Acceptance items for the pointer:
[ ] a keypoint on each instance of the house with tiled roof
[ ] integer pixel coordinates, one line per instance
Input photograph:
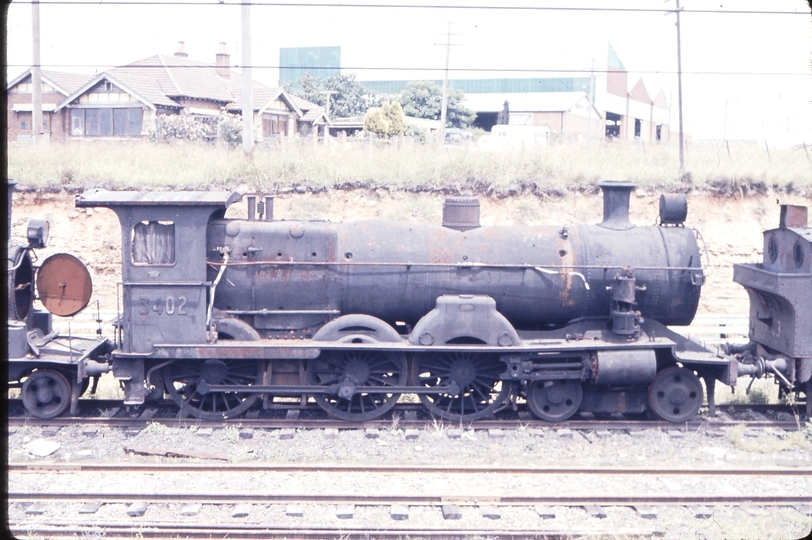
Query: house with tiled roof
(55, 87)
(124, 102)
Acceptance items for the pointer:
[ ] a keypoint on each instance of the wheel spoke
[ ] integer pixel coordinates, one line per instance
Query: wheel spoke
(476, 375)
(181, 382)
(362, 369)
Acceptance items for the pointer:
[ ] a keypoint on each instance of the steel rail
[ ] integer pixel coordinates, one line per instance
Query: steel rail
(173, 467)
(236, 531)
(280, 423)
(466, 499)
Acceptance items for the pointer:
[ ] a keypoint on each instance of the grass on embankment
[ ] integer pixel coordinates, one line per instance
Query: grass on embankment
(304, 166)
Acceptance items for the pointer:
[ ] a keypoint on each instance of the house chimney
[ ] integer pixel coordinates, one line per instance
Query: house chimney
(223, 62)
(181, 50)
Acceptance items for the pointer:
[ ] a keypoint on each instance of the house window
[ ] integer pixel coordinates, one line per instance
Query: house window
(153, 242)
(26, 121)
(108, 122)
(659, 132)
(638, 127)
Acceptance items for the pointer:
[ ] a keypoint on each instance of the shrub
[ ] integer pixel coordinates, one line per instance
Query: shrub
(176, 127)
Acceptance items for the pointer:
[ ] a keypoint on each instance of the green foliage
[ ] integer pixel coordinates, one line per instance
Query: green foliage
(385, 122)
(375, 122)
(176, 127)
(423, 99)
(755, 395)
(230, 129)
(350, 98)
(417, 133)
(169, 128)
(394, 114)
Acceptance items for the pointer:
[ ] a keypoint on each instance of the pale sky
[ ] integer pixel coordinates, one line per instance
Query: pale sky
(759, 64)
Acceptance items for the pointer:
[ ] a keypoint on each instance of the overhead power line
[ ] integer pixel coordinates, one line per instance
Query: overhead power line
(416, 6)
(584, 72)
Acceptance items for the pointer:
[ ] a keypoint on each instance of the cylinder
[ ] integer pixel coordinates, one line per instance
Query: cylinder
(625, 368)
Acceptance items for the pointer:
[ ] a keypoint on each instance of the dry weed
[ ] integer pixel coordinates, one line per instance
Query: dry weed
(302, 166)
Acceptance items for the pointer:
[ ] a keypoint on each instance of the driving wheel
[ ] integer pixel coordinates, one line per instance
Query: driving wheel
(474, 389)
(344, 371)
(182, 381)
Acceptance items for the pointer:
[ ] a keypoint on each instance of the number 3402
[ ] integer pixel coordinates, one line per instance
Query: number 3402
(169, 305)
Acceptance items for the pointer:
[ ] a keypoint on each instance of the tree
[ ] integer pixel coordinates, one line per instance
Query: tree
(350, 97)
(386, 121)
(424, 99)
(397, 121)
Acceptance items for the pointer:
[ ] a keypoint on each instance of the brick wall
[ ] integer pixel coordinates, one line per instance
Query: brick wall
(56, 122)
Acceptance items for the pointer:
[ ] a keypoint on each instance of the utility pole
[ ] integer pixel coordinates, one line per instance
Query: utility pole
(327, 110)
(247, 83)
(444, 108)
(591, 101)
(328, 93)
(36, 78)
(679, 98)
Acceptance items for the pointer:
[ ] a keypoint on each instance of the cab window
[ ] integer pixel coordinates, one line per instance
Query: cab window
(153, 242)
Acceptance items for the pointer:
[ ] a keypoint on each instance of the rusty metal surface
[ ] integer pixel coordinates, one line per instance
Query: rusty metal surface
(780, 287)
(64, 285)
(397, 271)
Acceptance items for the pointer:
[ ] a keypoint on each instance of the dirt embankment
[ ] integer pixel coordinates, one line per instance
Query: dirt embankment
(730, 226)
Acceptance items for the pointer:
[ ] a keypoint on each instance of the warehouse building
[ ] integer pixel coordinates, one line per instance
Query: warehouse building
(602, 104)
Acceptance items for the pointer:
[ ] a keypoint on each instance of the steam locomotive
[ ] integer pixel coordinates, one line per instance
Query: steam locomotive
(222, 314)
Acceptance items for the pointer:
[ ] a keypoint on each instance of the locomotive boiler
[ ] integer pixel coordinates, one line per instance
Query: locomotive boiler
(539, 277)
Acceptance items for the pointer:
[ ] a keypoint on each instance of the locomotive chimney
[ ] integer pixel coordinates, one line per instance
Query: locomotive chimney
(616, 204)
(793, 216)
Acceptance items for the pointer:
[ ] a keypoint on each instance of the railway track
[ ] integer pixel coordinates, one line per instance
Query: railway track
(112, 413)
(237, 532)
(162, 514)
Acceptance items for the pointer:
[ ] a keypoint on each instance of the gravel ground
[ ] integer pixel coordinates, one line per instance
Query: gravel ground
(706, 447)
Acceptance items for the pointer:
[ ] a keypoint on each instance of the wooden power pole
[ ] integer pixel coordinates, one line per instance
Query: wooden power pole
(36, 77)
(247, 84)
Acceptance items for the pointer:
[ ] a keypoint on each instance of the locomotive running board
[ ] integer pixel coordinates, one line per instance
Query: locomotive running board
(292, 390)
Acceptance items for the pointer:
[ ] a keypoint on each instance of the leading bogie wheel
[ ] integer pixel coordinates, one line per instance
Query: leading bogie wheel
(46, 393)
(554, 401)
(475, 389)
(344, 371)
(675, 394)
(182, 379)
